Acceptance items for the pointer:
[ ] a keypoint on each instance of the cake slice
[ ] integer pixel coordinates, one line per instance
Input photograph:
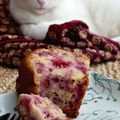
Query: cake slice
(58, 74)
(34, 107)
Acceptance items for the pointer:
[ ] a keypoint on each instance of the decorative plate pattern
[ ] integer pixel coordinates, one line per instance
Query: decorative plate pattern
(101, 102)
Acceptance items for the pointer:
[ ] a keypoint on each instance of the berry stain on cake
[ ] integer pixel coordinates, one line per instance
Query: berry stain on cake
(58, 74)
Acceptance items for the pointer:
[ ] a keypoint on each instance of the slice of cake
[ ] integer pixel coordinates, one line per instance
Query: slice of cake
(58, 74)
(34, 107)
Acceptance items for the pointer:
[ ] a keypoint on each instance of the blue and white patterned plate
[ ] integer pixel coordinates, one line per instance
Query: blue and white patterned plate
(101, 102)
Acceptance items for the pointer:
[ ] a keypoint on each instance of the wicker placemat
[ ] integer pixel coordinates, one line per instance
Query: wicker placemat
(110, 69)
(8, 76)
(7, 79)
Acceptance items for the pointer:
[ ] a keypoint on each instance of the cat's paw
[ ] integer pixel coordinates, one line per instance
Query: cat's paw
(40, 31)
(27, 29)
(35, 31)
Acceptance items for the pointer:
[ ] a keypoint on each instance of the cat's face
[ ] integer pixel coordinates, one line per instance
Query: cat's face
(41, 4)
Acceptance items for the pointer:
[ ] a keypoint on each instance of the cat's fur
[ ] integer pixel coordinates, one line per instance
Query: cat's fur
(35, 16)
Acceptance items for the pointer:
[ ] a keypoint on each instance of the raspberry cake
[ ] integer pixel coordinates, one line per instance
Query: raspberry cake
(58, 74)
(34, 107)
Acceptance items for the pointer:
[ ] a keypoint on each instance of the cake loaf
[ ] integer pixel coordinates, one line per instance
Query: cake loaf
(34, 107)
(58, 74)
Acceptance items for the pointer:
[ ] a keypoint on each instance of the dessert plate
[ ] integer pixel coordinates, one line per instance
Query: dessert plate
(101, 102)
(102, 99)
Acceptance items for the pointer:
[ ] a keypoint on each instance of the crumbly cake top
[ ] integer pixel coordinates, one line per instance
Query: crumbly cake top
(60, 63)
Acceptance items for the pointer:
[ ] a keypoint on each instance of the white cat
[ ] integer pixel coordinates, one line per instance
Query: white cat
(35, 16)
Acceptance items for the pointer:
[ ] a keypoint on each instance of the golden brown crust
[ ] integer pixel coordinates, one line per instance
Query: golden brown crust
(28, 80)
